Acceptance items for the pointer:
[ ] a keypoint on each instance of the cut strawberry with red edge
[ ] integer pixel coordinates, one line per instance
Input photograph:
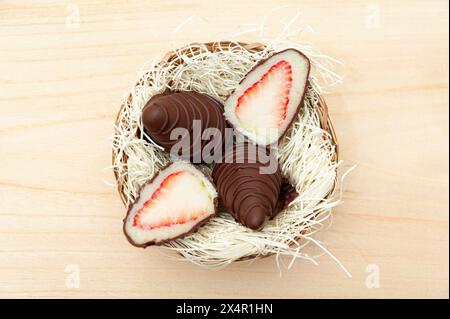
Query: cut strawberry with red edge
(174, 203)
(268, 99)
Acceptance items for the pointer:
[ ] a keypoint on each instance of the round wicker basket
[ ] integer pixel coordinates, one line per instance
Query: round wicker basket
(174, 57)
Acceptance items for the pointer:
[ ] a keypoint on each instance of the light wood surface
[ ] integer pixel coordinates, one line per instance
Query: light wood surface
(61, 83)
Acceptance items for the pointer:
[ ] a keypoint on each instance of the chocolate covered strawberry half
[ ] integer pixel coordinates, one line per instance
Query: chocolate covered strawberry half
(174, 203)
(267, 100)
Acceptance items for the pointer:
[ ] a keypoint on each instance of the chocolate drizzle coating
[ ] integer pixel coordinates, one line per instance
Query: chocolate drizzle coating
(287, 195)
(248, 194)
(170, 110)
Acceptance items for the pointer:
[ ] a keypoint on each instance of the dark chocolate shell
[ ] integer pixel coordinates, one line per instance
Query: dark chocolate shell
(247, 186)
(195, 112)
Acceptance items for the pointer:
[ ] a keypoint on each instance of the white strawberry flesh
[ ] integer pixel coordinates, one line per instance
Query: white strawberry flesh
(178, 200)
(268, 98)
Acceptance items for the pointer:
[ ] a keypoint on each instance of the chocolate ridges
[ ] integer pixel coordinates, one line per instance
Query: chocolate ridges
(245, 190)
(165, 112)
(287, 195)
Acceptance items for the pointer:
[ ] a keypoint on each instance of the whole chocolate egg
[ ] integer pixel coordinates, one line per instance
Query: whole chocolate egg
(186, 115)
(248, 188)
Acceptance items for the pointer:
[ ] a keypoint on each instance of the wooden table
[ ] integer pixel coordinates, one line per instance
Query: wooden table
(64, 68)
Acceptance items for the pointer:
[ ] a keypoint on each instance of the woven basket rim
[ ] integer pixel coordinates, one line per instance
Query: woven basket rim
(325, 121)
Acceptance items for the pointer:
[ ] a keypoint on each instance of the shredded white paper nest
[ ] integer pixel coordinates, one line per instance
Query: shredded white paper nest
(305, 156)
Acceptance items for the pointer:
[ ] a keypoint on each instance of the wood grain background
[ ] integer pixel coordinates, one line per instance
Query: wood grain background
(61, 83)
